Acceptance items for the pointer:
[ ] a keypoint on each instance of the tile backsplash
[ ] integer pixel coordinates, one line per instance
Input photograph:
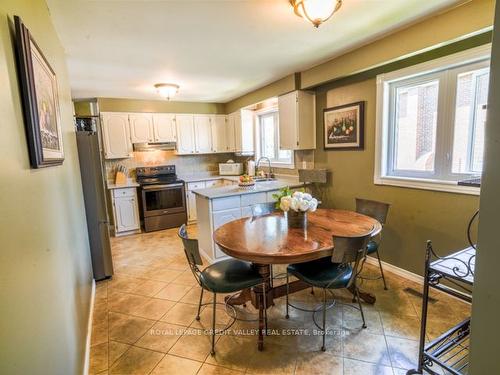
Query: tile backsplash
(185, 164)
(193, 164)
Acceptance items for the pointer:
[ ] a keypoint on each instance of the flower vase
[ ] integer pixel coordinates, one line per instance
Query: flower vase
(297, 219)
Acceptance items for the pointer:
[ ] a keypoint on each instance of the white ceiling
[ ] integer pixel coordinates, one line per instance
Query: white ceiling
(215, 50)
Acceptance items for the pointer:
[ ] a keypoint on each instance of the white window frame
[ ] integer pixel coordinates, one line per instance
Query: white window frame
(444, 68)
(258, 154)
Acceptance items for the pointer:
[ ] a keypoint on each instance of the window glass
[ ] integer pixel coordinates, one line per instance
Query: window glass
(269, 139)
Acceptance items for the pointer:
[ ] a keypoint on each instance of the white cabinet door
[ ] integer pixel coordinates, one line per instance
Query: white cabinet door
(287, 107)
(116, 136)
(230, 133)
(297, 121)
(126, 214)
(203, 134)
(141, 127)
(191, 206)
(243, 131)
(185, 134)
(219, 143)
(164, 127)
(221, 218)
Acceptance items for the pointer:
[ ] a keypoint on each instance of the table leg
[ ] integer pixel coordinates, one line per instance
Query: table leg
(243, 297)
(265, 271)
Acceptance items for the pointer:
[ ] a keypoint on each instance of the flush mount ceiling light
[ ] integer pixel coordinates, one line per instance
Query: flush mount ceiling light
(315, 11)
(167, 90)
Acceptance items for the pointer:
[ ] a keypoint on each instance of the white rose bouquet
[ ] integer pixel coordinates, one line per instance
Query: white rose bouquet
(297, 201)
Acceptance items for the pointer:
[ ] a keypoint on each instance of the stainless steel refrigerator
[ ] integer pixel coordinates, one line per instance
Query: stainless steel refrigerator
(94, 192)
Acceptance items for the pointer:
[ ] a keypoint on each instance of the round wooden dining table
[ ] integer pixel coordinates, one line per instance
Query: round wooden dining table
(267, 240)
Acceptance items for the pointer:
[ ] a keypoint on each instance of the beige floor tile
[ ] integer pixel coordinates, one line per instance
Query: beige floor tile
(207, 369)
(319, 363)
(233, 352)
(352, 321)
(127, 329)
(98, 358)
(182, 314)
(401, 326)
(353, 367)
(186, 278)
(162, 274)
(123, 283)
(136, 361)
(274, 359)
(99, 333)
(367, 347)
(153, 309)
(194, 344)
(173, 292)
(161, 337)
(403, 352)
(193, 296)
(149, 288)
(176, 365)
(125, 303)
(115, 351)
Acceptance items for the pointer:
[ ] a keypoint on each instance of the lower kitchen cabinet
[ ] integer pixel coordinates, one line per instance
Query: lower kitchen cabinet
(126, 211)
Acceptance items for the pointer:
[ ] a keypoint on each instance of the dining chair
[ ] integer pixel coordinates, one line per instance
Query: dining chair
(339, 271)
(378, 211)
(225, 276)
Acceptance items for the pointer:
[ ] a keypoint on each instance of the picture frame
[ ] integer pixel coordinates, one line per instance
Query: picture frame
(343, 127)
(39, 91)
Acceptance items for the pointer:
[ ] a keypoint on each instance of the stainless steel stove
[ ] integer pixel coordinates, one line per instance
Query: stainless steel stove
(163, 197)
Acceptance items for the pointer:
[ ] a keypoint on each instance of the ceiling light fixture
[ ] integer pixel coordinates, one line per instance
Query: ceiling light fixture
(315, 11)
(167, 90)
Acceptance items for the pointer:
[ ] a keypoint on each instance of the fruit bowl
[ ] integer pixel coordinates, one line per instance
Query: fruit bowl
(246, 182)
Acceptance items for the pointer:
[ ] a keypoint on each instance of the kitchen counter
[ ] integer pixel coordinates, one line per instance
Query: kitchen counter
(205, 177)
(263, 186)
(128, 184)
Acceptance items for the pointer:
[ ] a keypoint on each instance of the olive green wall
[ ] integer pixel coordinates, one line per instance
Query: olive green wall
(137, 105)
(415, 215)
(486, 306)
(45, 269)
(282, 86)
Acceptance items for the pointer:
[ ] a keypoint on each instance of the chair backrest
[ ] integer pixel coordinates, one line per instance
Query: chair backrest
(262, 209)
(192, 251)
(374, 209)
(350, 251)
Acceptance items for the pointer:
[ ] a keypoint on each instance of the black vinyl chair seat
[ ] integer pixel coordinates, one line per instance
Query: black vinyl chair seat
(230, 275)
(322, 273)
(371, 247)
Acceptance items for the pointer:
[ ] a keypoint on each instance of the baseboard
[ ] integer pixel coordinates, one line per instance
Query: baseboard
(86, 366)
(396, 270)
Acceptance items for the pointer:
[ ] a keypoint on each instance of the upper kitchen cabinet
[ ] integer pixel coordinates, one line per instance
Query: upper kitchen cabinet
(219, 136)
(141, 127)
(297, 121)
(185, 134)
(203, 134)
(243, 121)
(230, 134)
(164, 127)
(116, 135)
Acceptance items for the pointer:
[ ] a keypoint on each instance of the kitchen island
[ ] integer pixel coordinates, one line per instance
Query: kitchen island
(219, 205)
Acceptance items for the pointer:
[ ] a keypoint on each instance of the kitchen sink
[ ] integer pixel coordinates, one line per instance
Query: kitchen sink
(264, 179)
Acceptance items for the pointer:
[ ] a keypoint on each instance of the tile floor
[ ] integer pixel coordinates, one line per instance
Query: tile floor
(144, 323)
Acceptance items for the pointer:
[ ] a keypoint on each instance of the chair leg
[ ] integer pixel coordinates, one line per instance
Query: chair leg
(323, 348)
(381, 270)
(287, 291)
(264, 296)
(199, 305)
(212, 352)
(271, 276)
(360, 306)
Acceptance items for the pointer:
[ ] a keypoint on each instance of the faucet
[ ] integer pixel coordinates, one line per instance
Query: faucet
(270, 174)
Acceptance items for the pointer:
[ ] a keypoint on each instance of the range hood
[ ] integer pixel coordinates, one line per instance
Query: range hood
(154, 146)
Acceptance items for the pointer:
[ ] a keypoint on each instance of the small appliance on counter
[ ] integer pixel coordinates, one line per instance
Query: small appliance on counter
(230, 168)
(251, 167)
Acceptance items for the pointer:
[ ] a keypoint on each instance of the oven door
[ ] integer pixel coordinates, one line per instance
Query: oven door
(163, 199)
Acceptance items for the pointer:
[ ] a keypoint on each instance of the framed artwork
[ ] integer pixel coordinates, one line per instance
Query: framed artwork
(344, 127)
(40, 101)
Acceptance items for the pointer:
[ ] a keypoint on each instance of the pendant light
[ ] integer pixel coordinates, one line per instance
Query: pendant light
(316, 11)
(167, 90)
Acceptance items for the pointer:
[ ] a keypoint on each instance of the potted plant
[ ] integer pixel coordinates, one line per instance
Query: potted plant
(296, 205)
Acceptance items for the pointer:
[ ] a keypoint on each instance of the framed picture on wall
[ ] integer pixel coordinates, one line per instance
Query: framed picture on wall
(40, 101)
(344, 127)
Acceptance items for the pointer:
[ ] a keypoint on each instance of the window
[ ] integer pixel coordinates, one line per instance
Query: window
(430, 122)
(268, 131)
